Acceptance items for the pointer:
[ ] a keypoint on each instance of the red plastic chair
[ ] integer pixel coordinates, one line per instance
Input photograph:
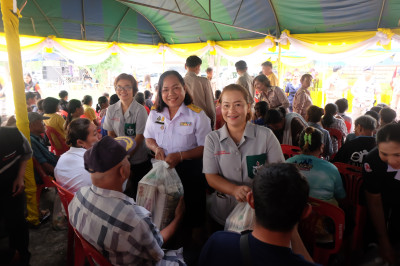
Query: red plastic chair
(64, 114)
(56, 140)
(47, 180)
(90, 252)
(352, 181)
(335, 133)
(348, 126)
(66, 197)
(290, 151)
(307, 228)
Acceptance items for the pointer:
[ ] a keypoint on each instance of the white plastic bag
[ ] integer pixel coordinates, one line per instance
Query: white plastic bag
(159, 192)
(242, 218)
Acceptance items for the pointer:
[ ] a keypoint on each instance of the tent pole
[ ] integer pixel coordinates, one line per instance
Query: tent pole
(380, 15)
(11, 25)
(83, 21)
(47, 18)
(278, 28)
(279, 66)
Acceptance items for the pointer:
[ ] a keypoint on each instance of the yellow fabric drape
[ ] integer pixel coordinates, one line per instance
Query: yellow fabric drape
(27, 42)
(186, 49)
(11, 24)
(87, 48)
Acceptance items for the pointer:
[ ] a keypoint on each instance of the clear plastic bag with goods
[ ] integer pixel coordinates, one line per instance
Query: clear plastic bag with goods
(242, 218)
(159, 192)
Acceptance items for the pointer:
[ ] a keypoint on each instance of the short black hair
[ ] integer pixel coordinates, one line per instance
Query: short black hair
(87, 99)
(342, 105)
(114, 99)
(139, 97)
(314, 113)
(147, 94)
(262, 106)
(63, 94)
(209, 69)
(388, 115)
(388, 133)
(374, 115)
(241, 65)
(193, 61)
(77, 129)
(316, 140)
(50, 105)
(376, 109)
(217, 94)
(274, 116)
(366, 122)
(128, 77)
(329, 114)
(30, 95)
(267, 63)
(280, 196)
(40, 105)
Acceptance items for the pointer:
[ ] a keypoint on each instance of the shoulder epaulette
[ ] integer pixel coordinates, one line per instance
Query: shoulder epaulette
(194, 108)
(153, 107)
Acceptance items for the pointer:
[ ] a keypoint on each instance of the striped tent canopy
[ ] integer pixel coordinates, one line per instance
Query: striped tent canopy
(193, 21)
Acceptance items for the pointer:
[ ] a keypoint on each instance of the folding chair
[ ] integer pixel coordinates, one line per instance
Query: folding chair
(56, 140)
(352, 181)
(307, 229)
(91, 253)
(47, 180)
(290, 151)
(66, 197)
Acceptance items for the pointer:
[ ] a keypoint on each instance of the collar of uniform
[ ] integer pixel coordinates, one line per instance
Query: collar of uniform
(182, 110)
(312, 124)
(192, 74)
(76, 150)
(249, 131)
(107, 193)
(118, 105)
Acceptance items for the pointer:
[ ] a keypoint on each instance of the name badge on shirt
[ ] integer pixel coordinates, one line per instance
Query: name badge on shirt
(160, 120)
(186, 124)
(255, 162)
(130, 129)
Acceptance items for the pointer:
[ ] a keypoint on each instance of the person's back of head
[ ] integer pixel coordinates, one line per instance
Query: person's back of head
(193, 62)
(62, 94)
(147, 94)
(40, 105)
(139, 97)
(374, 115)
(217, 94)
(114, 99)
(50, 105)
(280, 195)
(311, 140)
(241, 66)
(274, 116)
(314, 114)
(376, 109)
(329, 114)
(388, 115)
(342, 105)
(87, 99)
(365, 125)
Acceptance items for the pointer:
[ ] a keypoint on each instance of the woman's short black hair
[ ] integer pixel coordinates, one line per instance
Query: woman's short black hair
(87, 99)
(160, 104)
(50, 105)
(63, 94)
(114, 99)
(77, 129)
(314, 113)
(388, 133)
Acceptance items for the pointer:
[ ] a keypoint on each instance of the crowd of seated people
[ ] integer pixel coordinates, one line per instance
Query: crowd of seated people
(223, 157)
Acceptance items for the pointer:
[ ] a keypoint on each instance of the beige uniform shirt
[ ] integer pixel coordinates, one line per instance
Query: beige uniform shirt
(237, 163)
(301, 101)
(273, 79)
(200, 89)
(246, 81)
(275, 97)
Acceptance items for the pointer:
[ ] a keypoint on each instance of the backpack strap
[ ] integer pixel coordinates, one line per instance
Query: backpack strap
(245, 250)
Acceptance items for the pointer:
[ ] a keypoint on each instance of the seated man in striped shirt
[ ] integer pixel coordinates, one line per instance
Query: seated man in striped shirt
(111, 221)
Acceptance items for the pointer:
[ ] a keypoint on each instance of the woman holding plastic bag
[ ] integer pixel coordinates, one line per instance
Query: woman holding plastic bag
(233, 154)
(175, 131)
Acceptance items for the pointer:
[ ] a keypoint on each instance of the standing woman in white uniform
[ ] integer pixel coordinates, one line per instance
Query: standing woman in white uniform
(128, 118)
(233, 154)
(175, 132)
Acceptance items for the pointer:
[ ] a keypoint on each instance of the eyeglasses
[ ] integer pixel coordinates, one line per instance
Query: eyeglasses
(126, 88)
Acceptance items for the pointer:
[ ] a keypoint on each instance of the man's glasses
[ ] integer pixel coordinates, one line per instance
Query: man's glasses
(120, 89)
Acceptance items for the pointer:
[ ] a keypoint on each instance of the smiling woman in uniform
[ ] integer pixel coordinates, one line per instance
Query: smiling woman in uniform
(233, 154)
(175, 132)
(128, 118)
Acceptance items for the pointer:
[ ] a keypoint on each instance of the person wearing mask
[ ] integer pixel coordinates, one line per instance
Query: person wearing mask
(74, 110)
(245, 80)
(302, 99)
(292, 87)
(354, 151)
(322, 176)
(313, 118)
(234, 153)
(81, 136)
(330, 121)
(273, 95)
(286, 126)
(128, 118)
(274, 240)
(382, 185)
(88, 110)
(199, 87)
(63, 100)
(267, 71)
(175, 132)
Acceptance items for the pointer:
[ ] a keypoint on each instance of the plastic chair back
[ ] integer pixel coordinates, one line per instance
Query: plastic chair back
(348, 126)
(56, 140)
(91, 253)
(352, 181)
(290, 151)
(307, 228)
(65, 196)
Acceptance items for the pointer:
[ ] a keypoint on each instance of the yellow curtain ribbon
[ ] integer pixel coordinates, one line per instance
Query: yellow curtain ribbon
(11, 24)
(389, 35)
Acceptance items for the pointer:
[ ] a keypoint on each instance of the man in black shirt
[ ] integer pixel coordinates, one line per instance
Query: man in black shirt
(354, 151)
